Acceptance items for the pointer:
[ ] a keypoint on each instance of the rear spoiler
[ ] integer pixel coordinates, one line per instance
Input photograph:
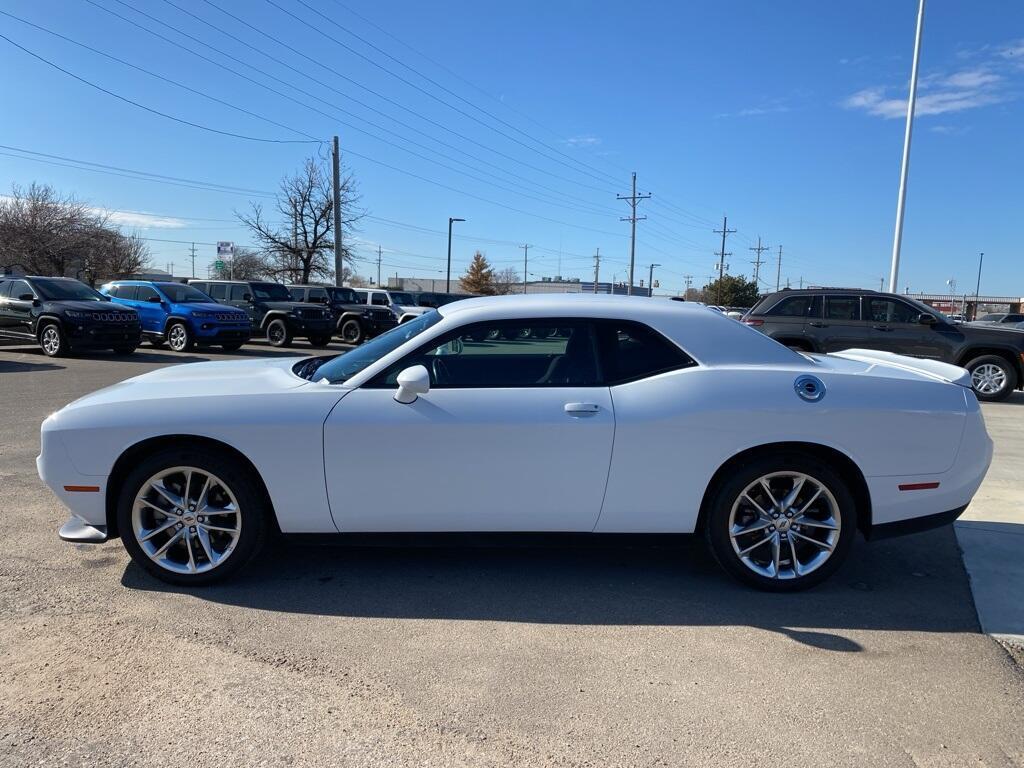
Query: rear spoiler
(934, 369)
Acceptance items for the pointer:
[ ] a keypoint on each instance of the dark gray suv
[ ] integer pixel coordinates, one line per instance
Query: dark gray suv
(833, 319)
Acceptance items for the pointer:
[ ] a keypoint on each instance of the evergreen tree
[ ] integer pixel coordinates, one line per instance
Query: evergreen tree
(479, 277)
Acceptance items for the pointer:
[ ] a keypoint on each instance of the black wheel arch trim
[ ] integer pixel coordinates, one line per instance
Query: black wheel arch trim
(1013, 356)
(913, 525)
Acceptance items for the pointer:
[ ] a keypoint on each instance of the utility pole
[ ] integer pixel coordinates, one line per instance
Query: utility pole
(721, 257)
(688, 279)
(338, 272)
(977, 287)
(192, 251)
(897, 239)
(526, 253)
(650, 278)
(801, 282)
(379, 253)
(881, 284)
(758, 249)
(597, 267)
(632, 199)
(778, 270)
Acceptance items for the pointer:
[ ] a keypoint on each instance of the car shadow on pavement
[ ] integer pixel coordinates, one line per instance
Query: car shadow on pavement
(14, 366)
(916, 584)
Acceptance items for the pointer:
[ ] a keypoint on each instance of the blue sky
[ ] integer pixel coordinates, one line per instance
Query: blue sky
(786, 116)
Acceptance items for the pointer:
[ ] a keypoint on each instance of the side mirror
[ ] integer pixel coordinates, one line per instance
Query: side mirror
(36, 303)
(26, 297)
(925, 319)
(154, 300)
(412, 382)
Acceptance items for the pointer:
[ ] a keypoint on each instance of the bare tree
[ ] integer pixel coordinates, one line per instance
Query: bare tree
(46, 233)
(297, 239)
(506, 281)
(247, 264)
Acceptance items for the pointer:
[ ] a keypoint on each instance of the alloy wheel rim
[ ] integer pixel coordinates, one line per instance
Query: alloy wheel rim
(784, 525)
(988, 378)
(177, 338)
(275, 333)
(51, 340)
(350, 332)
(186, 520)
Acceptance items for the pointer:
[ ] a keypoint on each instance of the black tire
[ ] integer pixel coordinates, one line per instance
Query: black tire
(319, 341)
(984, 377)
(232, 347)
(254, 512)
(128, 349)
(53, 341)
(179, 337)
(278, 333)
(351, 331)
(838, 501)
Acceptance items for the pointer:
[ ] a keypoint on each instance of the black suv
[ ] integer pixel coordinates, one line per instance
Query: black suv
(271, 310)
(354, 320)
(62, 314)
(833, 319)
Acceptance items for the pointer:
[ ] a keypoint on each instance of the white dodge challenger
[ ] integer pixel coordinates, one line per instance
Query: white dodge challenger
(540, 413)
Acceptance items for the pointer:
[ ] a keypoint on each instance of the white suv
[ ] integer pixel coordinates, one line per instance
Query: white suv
(402, 303)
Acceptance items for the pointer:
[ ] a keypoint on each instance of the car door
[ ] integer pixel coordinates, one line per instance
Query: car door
(841, 324)
(151, 307)
(235, 296)
(17, 313)
(894, 326)
(515, 434)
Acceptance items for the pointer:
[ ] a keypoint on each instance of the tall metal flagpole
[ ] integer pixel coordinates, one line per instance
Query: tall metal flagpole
(905, 167)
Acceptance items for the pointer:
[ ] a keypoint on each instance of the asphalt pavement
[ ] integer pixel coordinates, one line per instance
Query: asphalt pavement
(450, 657)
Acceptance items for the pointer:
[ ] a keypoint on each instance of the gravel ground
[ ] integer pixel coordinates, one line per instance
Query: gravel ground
(532, 657)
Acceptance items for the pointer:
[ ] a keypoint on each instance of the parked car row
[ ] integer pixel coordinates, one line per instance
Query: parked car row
(835, 319)
(62, 314)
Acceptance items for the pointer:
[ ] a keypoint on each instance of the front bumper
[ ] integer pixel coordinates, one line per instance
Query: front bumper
(301, 326)
(214, 334)
(102, 335)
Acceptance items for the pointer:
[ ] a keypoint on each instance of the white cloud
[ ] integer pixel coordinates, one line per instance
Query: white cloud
(583, 141)
(141, 220)
(938, 93)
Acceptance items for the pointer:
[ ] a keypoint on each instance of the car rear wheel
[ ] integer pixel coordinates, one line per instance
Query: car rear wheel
(782, 523)
(278, 334)
(992, 377)
(53, 341)
(351, 331)
(179, 338)
(191, 517)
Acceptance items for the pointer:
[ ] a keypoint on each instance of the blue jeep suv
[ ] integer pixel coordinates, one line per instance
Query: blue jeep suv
(180, 316)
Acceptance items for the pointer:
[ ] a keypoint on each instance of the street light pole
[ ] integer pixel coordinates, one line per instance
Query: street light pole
(905, 166)
(977, 287)
(448, 280)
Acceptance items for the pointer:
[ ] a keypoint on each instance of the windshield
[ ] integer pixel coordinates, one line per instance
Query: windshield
(178, 293)
(271, 292)
(344, 295)
(344, 367)
(402, 298)
(67, 290)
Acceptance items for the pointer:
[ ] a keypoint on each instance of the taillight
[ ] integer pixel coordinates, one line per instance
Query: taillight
(753, 321)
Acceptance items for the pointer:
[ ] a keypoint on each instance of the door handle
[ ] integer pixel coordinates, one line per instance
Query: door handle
(818, 325)
(578, 408)
(881, 327)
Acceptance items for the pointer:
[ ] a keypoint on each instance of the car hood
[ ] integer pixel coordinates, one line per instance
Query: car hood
(221, 378)
(91, 306)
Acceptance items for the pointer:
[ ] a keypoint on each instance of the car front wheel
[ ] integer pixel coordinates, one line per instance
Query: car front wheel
(782, 523)
(53, 341)
(191, 517)
(278, 334)
(992, 377)
(351, 331)
(178, 338)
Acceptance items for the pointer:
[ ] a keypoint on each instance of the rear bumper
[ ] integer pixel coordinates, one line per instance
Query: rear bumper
(913, 525)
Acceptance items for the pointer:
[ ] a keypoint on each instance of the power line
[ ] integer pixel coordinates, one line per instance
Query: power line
(143, 107)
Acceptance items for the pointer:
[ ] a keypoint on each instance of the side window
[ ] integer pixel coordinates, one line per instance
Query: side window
(218, 291)
(536, 353)
(202, 287)
(238, 292)
(379, 299)
(5, 289)
(18, 289)
(891, 311)
(318, 295)
(1014, 319)
(794, 306)
(631, 351)
(842, 308)
(145, 293)
(297, 294)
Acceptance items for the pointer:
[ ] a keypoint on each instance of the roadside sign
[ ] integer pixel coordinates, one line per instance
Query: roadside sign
(225, 248)
(218, 265)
